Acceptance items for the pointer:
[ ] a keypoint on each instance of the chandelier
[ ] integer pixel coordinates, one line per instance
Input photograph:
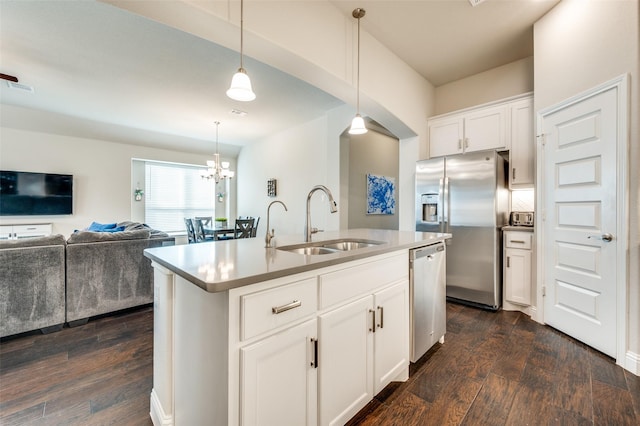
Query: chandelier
(217, 169)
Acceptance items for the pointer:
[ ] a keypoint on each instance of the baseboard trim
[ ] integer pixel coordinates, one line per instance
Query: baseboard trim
(158, 416)
(632, 363)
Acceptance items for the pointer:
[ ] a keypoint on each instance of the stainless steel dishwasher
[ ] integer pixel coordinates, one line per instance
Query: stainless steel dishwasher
(428, 294)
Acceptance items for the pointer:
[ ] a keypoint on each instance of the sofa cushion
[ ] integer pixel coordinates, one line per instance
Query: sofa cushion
(130, 226)
(49, 240)
(106, 227)
(90, 237)
(32, 284)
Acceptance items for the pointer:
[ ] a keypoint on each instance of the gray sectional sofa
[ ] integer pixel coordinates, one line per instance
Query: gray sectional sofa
(47, 281)
(32, 284)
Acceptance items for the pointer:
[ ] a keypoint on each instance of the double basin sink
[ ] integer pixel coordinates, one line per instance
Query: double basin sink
(331, 246)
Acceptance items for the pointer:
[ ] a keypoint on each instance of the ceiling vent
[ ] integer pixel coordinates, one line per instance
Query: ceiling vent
(474, 3)
(20, 86)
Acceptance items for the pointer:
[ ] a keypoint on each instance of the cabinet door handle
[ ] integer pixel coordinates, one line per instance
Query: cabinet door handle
(373, 320)
(314, 362)
(459, 143)
(508, 258)
(466, 143)
(514, 173)
(381, 325)
(280, 309)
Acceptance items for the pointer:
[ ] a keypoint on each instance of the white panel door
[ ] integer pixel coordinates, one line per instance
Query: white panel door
(580, 205)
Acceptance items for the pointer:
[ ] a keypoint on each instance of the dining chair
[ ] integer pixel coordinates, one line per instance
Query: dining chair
(244, 228)
(207, 221)
(254, 230)
(199, 231)
(191, 233)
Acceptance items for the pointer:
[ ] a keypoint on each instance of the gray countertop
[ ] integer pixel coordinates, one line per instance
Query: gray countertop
(222, 265)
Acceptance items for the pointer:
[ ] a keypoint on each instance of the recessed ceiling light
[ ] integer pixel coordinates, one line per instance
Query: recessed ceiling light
(238, 112)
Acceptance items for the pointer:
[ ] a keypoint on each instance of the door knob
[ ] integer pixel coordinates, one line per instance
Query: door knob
(604, 237)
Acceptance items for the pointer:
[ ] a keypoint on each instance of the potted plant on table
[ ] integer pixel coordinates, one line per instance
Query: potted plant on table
(221, 222)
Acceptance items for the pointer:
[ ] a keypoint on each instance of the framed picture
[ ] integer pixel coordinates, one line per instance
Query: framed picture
(381, 194)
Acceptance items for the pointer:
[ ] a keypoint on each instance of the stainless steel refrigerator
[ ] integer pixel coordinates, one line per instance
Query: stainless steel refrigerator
(466, 195)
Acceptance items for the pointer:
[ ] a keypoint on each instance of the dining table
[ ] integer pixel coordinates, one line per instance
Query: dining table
(219, 232)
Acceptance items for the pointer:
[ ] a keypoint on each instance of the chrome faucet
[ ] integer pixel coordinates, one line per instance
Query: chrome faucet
(308, 230)
(269, 236)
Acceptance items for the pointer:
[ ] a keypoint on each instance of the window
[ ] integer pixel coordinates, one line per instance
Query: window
(176, 191)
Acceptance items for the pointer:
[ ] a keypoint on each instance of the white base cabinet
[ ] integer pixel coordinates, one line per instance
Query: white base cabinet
(306, 349)
(279, 378)
(16, 232)
(517, 268)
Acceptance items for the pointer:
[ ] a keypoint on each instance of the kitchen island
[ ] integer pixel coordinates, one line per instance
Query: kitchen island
(250, 335)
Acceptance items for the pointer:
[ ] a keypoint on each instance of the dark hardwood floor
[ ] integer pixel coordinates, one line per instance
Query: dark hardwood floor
(493, 369)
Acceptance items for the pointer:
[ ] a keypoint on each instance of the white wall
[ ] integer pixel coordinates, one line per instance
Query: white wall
(103, 190)
(579, 45)
(297, 159)
(498, 83)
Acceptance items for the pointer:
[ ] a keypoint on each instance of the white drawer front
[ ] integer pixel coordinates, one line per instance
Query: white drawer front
(358, 280)
(269, 309)
(40, 229)
(520, 240)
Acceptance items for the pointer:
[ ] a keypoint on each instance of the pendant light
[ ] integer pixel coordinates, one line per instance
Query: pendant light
(217, 170)
(357, 124)
(240, 89)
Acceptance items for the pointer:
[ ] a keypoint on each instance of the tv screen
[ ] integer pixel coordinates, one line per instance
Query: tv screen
(29, 194)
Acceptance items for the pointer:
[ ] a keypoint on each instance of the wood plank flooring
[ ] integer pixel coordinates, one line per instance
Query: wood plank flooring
(493, 369)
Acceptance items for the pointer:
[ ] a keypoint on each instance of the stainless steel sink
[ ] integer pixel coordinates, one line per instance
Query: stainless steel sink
(351, 245)
(331, 246)
(309, 250)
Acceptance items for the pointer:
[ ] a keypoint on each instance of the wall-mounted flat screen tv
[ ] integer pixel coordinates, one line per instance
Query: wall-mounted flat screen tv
(30, 194)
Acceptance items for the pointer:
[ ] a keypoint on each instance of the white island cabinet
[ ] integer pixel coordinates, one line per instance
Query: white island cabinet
(310, 343)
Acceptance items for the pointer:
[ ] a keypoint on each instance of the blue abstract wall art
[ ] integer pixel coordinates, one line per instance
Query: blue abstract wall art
(381, 194)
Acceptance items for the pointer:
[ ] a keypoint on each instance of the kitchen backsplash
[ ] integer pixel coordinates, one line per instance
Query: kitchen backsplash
(522, 200)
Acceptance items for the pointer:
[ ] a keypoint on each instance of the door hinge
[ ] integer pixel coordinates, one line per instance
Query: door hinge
(542, 138)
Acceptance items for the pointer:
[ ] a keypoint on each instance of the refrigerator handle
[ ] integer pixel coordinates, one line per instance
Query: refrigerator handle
(446, 204)
(441, 205)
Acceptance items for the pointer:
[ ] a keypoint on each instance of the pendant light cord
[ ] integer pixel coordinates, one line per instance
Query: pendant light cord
(358, 72)
(241, 32)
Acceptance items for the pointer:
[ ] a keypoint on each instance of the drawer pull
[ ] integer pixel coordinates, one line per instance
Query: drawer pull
(280, 309)
(517, 241)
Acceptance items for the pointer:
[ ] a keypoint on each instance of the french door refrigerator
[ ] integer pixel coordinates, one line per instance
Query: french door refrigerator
(466, 195)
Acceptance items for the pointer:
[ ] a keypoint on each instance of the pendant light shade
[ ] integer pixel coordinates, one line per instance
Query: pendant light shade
(357, 124)
(240, 89)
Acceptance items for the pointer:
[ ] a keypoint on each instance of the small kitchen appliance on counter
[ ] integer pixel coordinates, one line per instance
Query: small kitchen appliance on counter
(521, 219)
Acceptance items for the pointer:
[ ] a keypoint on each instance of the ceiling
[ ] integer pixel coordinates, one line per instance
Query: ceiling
(150, 84)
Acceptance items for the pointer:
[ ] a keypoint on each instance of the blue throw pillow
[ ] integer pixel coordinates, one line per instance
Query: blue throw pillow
(107, 227)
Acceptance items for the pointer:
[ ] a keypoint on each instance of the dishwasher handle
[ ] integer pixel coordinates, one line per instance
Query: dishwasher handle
(427, 251)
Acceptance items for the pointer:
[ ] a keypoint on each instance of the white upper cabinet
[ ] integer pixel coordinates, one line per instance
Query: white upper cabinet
(522, 152)
(445, 136)
(501, 126)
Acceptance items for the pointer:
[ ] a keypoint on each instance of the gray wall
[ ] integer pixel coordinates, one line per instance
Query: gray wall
(371, 153)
